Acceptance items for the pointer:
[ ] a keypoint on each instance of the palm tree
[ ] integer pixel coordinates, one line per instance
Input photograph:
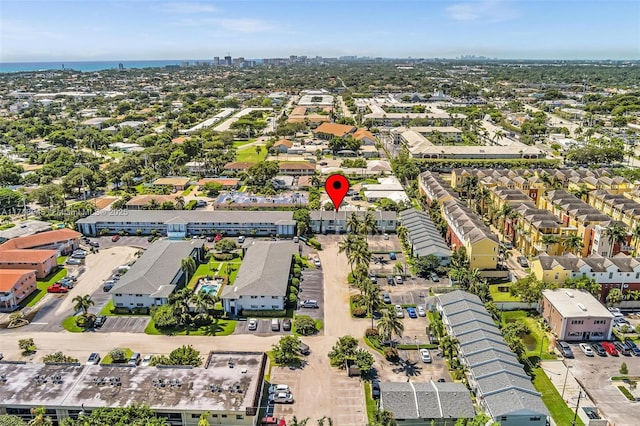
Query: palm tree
(353, 223)
(347, 246)
(179, 202)
(548, 240)
(617, 234)
(82, 303)
(573, 243)
(40, 418)
(371, 299)
(503, 213)
(635, 239)
(403, 233)
(482, 195)
(188, 266)
(369, 224)
(580, 192)
(361, 254)
(203, 301)
(389, 325)
(614, 296)
(498, 135)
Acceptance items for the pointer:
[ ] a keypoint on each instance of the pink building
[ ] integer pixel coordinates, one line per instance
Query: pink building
(15, 286)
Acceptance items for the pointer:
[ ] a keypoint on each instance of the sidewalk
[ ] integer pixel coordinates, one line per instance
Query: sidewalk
(562, 379)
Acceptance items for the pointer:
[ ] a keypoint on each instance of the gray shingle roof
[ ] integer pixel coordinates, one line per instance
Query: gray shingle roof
(423, 235)
(426, 400)
(264, 270)
(189, 216)
(153, 272)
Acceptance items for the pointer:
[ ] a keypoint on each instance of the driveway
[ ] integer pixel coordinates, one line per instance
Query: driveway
(311, 288)
(129, 324)
(133, 241)
(264, 328)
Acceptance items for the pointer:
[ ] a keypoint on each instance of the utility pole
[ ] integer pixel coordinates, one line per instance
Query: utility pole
(575, 415)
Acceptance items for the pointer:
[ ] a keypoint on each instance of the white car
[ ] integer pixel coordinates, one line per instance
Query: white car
(281, 398)
(421, 311)
(316, 262)
(94, 359)
(274, 388)
(146, 360)
(252, 325)
(425, 355)
(399, 312)
(398, 279)
(586, 349)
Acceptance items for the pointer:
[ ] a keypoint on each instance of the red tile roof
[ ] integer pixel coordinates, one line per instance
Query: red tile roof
(30, 256)
(284, 142)
(238, 165)
(9, 277)
(338, 130)
(41, 239)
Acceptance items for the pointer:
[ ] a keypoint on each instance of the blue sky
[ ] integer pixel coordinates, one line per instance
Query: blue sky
(53, 30)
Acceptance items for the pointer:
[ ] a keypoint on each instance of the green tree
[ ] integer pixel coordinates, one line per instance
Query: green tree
(344, 349)
(164, 317)
(202, 421)
(371, 299)
(10, 201)
(188, 266)
(9, 172)
(261, 173)
(303, 219)
(212, 189)
(624, 370)
(287, 350)
(616, 234)
(11, 420)
(225, 245)
(369, 224)
(58, 357)
(573, 243)
(354, 225)
(135, 415)
(426, 264)
(305, 325)
(27, 346)
(389, 325)
(614, 296)
(383, 418)
(40, 418)
(118, 355)
(82, 303)
(184, 355)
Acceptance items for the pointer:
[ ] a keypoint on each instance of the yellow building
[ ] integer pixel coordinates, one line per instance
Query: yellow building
(553, 269)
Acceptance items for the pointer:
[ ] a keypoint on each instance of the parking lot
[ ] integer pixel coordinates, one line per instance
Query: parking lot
(594, 375)
(124, 324)
(311, 288)
(131, 241)
(264, 328)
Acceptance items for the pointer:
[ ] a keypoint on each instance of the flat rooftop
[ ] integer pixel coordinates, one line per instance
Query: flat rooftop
(96, 385)
(576, 303)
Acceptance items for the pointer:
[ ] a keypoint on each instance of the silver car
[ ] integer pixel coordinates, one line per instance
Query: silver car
(281, 398)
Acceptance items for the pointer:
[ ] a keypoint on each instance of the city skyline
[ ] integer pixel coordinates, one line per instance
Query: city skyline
(71, 30)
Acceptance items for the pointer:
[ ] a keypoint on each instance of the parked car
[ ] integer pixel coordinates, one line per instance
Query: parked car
(313, 304)
(57, 288)
(399, 279)
(66, 283)
(241, 239)
(386, 236)
(134, 359)
(597, 347)
(399, 312)
(281, 398)
(373, 278)
(507, 245)
(632, 346)
(386, 297)
(412, 312)
(610, 348)
(275, 324)
(72, 278)
(304, 348)
(99, 322)
(564, 349)
(286, 324)
(72, 261)
(108, 285)
(94, 244)
(622, 348)
(425, 355)
(275, 388)
(252, 325)
(93, 359)
(115, 238)
(390, 280)
(375, 389)
(434, 277)
(620, 321)
(146, 360)
(586, 349)
(392, 256)
(316, 262)
(151, 238)
(421, 311)
(523, 261)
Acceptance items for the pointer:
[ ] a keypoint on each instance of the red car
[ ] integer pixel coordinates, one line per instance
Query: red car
(610, 348)
(57, 288)
(115, 238)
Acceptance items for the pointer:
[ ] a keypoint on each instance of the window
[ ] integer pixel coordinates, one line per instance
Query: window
(224, 416)
(138, 295)
(118, 294)
(574, 322)
(239, 417)
(274, 306)
(139, 304)
(599, 322)
(274, 297)
(534, 418)
(556, 276)
(254, 297)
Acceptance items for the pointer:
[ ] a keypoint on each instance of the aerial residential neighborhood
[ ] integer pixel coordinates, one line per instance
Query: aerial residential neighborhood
(418, 238)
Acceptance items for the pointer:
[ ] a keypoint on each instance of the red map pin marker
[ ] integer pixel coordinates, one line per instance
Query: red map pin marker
(337, 187)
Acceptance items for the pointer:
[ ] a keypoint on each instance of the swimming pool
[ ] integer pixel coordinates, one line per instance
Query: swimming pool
(211, 289)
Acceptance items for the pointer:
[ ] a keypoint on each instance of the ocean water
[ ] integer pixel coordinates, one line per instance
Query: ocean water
(7, 67)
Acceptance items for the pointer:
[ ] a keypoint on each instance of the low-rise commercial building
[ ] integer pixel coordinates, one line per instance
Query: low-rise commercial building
(262, 280)
(183, 223)
(575, 315)
(228, 388)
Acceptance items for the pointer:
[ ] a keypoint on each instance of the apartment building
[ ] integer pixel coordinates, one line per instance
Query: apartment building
(466, 229)
(619, 271)
(496, 377)
(435, 189)
(575, 315)
(335, 222)
(15, 286)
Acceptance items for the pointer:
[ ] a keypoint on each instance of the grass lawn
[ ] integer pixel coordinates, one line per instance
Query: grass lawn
(61, 260)
(188, 190)
(107, 358)
(219, 327)
(501, 296)
(202, 271)
(249, 154)
(106, 309)
(372, 405)
(69, 324)
(533, 341)
(559, 410)
(238, 144)
(42, 285)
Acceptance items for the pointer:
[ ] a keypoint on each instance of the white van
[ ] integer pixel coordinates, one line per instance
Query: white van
(241, 239)
(275, 324)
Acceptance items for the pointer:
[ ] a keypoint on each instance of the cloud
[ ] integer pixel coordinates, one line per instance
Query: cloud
(188, 8)
(486, 10)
